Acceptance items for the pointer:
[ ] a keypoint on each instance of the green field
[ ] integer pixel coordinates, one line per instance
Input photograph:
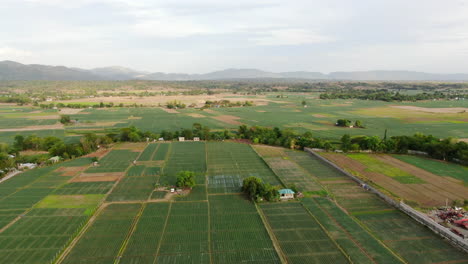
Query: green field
(375, 165)
(115, 161)
(319, 118)
(120, 221)
(440, 168)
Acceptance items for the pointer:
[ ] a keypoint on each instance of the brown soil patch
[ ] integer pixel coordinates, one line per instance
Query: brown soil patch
(94, 179)
(463, 140)
(432, 193)
(228, 119)
(33, 128)
(99, 153)
(70, 171)
(453, 110)
(196, 115)
(137, 147)
(70, 111)
(170, 111)
(134, 117)
(261, 111)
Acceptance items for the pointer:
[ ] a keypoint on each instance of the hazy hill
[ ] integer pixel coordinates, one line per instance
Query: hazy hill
(10, 70)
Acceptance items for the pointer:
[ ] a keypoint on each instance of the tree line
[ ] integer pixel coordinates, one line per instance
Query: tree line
(448, 149)
(387, 96)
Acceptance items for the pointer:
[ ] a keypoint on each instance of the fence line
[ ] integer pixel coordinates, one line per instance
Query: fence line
(423, 219)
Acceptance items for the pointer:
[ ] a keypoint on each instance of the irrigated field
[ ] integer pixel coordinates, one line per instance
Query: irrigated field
(127, 219)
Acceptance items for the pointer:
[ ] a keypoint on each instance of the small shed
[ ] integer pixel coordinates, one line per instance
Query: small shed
(196, 139)
(181, 138)
(286, 194)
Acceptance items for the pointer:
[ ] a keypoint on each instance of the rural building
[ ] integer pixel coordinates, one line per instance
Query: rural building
(181, 139)
(196, 139)
(286, 194)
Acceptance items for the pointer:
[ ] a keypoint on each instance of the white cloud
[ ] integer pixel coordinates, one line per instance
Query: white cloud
(13, 53)
(290, 37)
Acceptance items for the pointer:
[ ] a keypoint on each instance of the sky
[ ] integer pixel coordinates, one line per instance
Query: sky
(199, 36)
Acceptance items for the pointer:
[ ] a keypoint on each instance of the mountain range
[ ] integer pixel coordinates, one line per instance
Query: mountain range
(10, 70)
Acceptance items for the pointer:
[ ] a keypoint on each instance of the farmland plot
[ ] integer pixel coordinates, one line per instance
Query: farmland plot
(301, 238)
(114, 161)
(161, 152)
(143, 245)
(357, 243)
(148, 152)
(315, 166)
(237, 232)
(398, 179)
(229, 163)
(133, 189)
(102, 241)
(185, 156)
(412, 241)
(198, 193)
(185, 238)
(40, 235)
(287, 170)
(74, 188)
(437, 167)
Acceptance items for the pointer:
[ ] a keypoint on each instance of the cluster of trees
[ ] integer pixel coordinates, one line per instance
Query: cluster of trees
(348, 123)
(227, 103)
(185, 179)
(256, 190)
(20, 100)
(197, 130)
(175, 104)
(447, 149)
(385, 95)
(78, 105)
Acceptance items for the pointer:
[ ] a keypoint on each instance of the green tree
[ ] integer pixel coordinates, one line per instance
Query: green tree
(253, 187)
(345, 142)
(65, 119)
(185, 179)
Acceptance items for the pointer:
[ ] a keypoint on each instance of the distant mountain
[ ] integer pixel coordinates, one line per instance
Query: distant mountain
(10, 70)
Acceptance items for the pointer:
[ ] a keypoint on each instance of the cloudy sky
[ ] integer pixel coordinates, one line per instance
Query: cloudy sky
(197, 36)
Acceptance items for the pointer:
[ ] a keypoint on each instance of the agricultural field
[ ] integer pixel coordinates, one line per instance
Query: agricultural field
(300, 236)
(402, 180)
(55, 215)
(115, 161)
(439, 118)
(443, 169)
(189, 156)
(228, 163)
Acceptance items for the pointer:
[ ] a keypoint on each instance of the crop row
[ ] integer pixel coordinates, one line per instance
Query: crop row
(103, 240)
(299, 235)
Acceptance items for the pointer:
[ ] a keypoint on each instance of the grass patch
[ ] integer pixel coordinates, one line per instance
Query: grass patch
(375, 165)
(70, 201)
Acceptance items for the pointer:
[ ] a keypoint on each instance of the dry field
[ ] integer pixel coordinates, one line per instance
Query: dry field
(433, 192)
(199, 100)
